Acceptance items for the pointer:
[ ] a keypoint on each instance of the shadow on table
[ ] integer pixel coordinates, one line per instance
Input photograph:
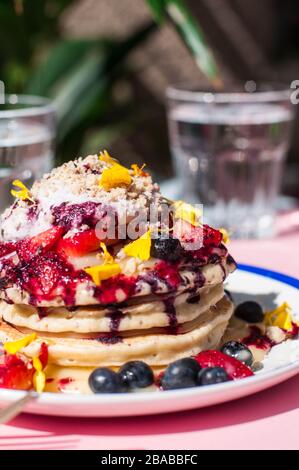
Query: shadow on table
(274, 401)
(268, 301)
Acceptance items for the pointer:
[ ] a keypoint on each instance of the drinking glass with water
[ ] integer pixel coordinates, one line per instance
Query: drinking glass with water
(27, 131)
(228, 150)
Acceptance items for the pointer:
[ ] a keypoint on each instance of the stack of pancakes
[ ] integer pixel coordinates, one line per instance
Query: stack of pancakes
(156, 325)
(146, 329)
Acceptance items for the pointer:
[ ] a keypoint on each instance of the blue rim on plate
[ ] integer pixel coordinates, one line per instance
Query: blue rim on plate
(291, 281)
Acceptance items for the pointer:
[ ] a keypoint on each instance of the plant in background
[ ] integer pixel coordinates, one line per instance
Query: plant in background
(81, 75)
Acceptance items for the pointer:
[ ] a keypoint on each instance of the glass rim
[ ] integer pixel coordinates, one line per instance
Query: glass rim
(33, 106)
(180, 92)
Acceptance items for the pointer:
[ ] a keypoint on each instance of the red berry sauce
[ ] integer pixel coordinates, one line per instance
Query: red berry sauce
(170, 310)
(70, 216)
(64, 382)
(106, 293)
(257, 339)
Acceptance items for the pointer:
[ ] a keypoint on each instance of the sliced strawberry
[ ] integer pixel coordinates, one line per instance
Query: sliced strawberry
(43, 273)
(169, 272)
(44, 241)
(203, 235)
(44, 354)
(80, 244)
(16, 374)
(6, 248)
(234, 368)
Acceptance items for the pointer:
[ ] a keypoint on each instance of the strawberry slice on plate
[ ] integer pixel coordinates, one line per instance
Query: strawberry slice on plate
(15, 374)
(30, 247)
(234, 368)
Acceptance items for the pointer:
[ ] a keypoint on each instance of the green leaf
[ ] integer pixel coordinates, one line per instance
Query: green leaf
(63, 57)
(80, 95)
(76, 100)
(191, 33)
(158, 8)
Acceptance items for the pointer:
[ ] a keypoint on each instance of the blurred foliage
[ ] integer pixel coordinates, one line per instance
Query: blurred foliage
(188, 28)
(82, 76)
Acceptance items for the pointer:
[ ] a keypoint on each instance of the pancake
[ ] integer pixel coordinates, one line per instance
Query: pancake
(85, 292)
(154, 349)
(92, 319)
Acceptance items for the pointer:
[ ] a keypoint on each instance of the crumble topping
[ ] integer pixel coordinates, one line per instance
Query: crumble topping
(77, 182)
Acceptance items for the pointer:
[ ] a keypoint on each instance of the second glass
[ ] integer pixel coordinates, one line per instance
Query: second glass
(228, 151)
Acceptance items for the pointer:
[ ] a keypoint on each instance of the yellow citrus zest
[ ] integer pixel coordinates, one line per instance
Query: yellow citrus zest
(12, 347)
(23, 193)
(105, 156)
(115, 176)
(102, 272)
(225, 235)
(280, 316)
(140, 248)
(187, 212)
(139, 171)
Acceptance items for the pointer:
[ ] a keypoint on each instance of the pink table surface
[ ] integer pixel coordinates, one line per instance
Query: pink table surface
(267, 420)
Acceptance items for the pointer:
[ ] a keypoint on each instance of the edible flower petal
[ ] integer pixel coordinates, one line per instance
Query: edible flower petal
(103, 272)
(39, 377)
(107, 257)
(37, 364)
(106, 157)
(225, 235)
(187, 212)
(39, 380)
(23, 193)
(139, 171)
(281, 317)
(115, 176)
(140, 248)
(12, 347)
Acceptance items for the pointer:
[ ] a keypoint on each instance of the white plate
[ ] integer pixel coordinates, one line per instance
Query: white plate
(247, 282)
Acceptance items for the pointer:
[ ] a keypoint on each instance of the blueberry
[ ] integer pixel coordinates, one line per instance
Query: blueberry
(181, 374)
(211, 376)
(168, 249)
(250, 311)
(239, 351)
(104, 380)
(136, 374)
